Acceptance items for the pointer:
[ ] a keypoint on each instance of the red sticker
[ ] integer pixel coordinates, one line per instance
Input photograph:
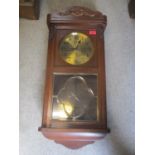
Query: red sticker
(92, 32)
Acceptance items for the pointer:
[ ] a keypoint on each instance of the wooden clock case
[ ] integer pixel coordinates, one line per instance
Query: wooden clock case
(75, 134)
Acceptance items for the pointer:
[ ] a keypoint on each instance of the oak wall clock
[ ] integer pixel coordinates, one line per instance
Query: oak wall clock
(74, 110)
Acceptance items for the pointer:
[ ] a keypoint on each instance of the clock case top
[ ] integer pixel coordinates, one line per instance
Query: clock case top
(79, 19)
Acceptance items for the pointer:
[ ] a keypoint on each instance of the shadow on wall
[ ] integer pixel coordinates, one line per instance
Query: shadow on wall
(119, 147)
(59, 5)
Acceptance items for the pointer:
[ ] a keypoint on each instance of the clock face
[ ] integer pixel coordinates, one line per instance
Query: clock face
(76, 48)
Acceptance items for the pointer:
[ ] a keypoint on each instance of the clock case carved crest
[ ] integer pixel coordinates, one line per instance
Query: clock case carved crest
(73, 130)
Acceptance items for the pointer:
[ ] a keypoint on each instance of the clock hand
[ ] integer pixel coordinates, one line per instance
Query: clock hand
(77, 45)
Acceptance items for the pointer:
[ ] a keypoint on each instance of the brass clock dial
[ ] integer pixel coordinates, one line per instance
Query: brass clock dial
(76, 48)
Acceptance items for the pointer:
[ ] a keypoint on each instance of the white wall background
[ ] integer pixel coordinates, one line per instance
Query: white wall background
(119, 54)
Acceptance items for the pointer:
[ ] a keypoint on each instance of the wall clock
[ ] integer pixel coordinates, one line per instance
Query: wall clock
(74, 110)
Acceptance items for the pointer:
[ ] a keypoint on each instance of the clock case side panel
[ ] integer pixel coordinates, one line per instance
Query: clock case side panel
(102, 76)
(46, 119)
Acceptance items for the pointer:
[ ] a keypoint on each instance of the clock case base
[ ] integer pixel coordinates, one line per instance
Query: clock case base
(74, 138)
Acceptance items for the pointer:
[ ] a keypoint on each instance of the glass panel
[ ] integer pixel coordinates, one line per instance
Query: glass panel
(76, 48)
(75, 97)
